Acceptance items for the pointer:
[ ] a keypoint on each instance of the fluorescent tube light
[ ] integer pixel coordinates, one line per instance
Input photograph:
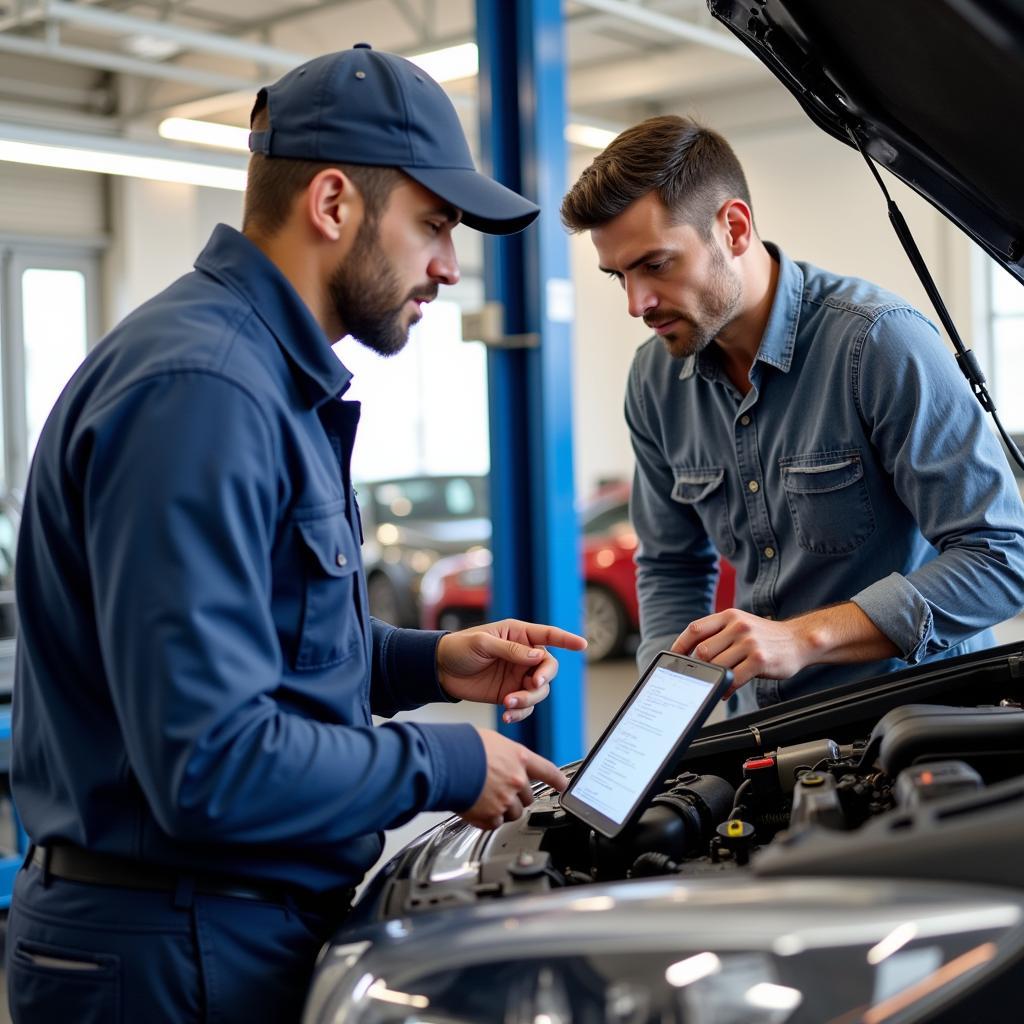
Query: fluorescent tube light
(450, 63)
(101, 155)
(205, 133)
(588, 135)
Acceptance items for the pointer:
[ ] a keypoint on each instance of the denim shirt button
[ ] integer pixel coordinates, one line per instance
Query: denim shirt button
(341, 560)
(769, 552)
(745, 421)
(753, 487)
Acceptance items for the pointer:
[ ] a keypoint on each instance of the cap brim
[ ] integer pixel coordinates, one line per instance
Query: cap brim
(485, 204)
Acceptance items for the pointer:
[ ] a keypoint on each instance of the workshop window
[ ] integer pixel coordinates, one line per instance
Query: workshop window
(49, 316)
(1005, 363)
(424, 410)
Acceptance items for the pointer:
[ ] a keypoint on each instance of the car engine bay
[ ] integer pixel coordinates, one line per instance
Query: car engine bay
(913, 792)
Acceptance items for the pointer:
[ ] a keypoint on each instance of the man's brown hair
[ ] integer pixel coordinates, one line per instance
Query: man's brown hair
(692, 168)
(273, 184)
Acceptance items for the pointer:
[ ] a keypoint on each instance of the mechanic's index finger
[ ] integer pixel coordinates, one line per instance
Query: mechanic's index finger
(542, 770)
(552, 636)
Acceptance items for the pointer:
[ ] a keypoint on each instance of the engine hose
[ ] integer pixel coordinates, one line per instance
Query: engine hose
(648, 864)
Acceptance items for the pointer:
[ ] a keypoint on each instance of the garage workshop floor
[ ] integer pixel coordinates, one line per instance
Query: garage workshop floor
(607, 686)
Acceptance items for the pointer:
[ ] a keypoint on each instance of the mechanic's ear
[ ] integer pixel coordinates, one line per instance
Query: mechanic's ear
(332, 203)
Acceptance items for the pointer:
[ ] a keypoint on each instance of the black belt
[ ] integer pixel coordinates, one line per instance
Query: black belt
(75, 864)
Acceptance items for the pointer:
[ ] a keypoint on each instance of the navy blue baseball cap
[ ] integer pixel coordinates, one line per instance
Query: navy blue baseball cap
(364, 106)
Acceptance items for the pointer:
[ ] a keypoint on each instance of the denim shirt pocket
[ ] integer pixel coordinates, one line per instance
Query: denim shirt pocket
(331, 629)
(703, 490)
(828, 500)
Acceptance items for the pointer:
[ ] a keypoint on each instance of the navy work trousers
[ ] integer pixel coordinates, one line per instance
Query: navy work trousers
(95, 954)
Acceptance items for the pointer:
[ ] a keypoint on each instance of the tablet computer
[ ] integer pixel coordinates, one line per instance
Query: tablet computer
(666, 709)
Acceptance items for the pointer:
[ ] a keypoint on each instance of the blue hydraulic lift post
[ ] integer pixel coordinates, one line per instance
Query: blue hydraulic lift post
(535, 539)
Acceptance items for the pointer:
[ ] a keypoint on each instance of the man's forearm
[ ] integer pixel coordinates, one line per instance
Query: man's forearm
(841, 634)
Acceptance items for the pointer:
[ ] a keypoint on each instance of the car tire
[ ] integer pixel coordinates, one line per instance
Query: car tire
(604, 622)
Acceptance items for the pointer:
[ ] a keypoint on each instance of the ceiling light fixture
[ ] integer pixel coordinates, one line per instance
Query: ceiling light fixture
(462, 61)
(588, 135)
(205, 133)
(71, 151)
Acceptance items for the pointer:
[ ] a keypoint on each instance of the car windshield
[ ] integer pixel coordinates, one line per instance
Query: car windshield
(442, 497)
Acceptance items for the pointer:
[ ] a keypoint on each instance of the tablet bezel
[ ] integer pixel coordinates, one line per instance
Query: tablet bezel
(720, 678)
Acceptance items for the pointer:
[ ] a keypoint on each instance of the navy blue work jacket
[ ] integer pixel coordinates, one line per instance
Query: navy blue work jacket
(197, 668)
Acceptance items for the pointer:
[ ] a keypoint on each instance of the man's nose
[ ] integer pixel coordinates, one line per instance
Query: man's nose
(639, 299)
(444, 267)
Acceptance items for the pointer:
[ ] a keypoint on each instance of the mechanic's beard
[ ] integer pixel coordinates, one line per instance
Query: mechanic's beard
(364, 291)
(719, 306)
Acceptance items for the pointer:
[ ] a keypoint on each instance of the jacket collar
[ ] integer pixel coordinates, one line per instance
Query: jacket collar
(237, 263)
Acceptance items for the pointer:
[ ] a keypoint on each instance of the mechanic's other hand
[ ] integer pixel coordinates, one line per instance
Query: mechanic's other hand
(510, 769)
(503, 663)
(747, 644)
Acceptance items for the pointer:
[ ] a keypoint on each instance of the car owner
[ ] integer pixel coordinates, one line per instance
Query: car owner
(194, 757)
(810, 428)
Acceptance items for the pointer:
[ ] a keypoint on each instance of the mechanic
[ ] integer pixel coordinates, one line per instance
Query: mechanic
(810, 428)
(194, 756)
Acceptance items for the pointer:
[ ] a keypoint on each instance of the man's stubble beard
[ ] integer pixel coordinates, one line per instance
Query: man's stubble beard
(718, 309)
(365, 290)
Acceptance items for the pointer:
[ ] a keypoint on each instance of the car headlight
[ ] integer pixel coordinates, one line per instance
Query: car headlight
(690, 952)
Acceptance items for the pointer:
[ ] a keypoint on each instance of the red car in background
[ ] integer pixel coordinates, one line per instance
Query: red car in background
(456, 591)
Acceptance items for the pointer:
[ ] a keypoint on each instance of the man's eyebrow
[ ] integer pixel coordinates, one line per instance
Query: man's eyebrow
(649, 255)
(450, 213)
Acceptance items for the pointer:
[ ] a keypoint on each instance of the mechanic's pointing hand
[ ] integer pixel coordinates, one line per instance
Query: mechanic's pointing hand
(510, 769)
(503, 663)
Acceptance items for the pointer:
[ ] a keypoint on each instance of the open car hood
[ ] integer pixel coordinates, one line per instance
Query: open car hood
(932, 88)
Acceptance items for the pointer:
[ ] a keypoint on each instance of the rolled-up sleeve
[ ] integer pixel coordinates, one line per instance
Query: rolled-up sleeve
(949, 470)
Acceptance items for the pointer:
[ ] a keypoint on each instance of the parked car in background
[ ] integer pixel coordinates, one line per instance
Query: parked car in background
(408, 524)
(10, 520)
(456, 592)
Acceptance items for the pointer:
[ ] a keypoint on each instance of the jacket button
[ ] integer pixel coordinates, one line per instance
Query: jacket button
(753, 487)
(341, 560)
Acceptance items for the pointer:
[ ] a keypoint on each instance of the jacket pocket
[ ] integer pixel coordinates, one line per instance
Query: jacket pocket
(828, 500)
(55, 983)
(703, 490)
(332, 616)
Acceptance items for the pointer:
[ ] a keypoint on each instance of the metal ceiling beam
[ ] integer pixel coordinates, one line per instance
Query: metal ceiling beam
(190, 39)
(670, 26)
(129, 65)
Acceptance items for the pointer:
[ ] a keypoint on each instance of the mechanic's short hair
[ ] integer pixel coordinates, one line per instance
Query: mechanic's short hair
(692, 168)
(274, 183)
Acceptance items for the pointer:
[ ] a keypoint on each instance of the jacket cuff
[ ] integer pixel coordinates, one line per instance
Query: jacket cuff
(410, 666)
(459, 763)
(897, 608)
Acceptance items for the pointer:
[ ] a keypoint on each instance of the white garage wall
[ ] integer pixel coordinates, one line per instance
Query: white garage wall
(157, 230)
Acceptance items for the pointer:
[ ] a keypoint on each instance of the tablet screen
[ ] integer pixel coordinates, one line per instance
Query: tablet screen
(655, 725)
(625, 763)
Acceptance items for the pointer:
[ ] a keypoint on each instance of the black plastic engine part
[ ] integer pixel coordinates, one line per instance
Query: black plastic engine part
(937, 840)
(735, 838)
(933, 781)
(816, 802)
(934, 732)
(678, 823)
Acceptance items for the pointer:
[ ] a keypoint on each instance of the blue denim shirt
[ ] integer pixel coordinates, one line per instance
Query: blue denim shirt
(859, 467)
(197, 669)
